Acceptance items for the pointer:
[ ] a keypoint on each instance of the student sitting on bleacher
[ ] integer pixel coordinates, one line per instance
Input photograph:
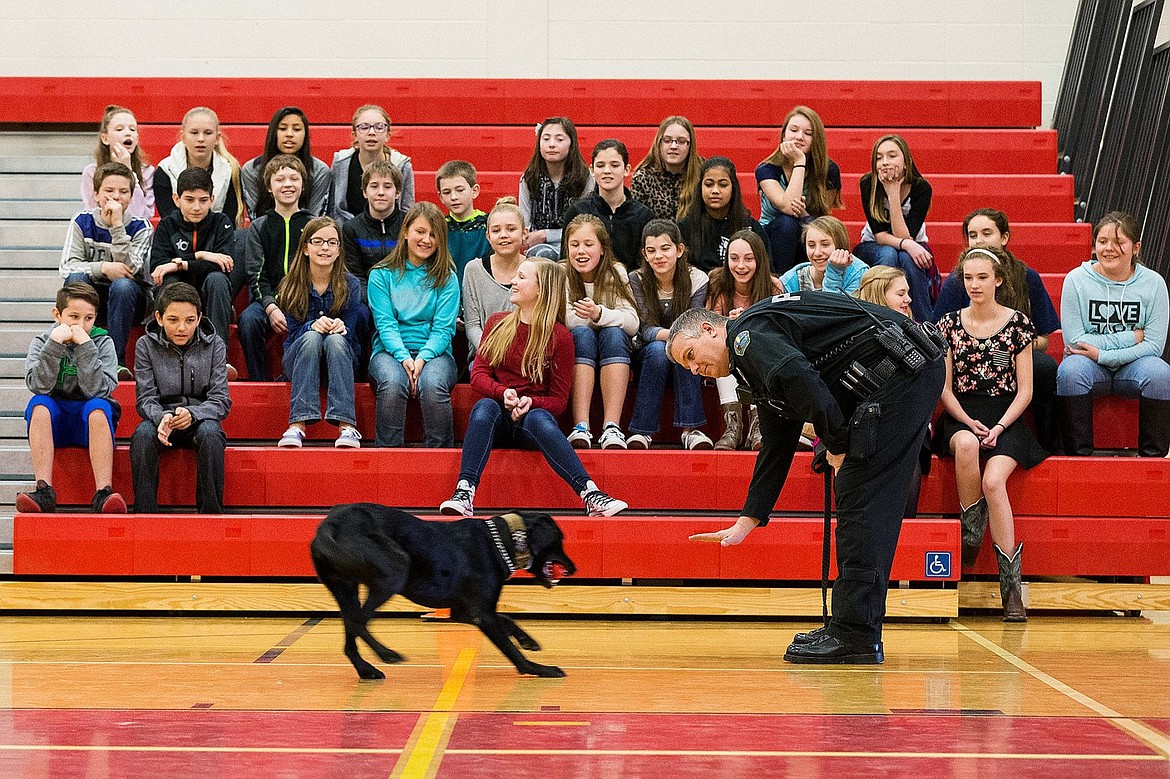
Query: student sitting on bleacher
(744, 280)
(371, 141)
(664, 287)
(108, 248)
(897, 236)
(201, 145)
(197, 245)
(798, 182)
(716, 211)
(487, 282)
(989, 385)
(524, 370)
(323, 303)
(180, 369)
(288, 133)
(458, 188)
(118, 142)
(72, 371)
(371, 235)
(602, 318)
(556, 176)
(610, 202)
(1024, 291)
(269, 246)
(830, 267)
(666, 177)
(414, 296)
(1114, 313)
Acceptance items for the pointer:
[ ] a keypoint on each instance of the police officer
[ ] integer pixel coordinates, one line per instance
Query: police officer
(869, 379)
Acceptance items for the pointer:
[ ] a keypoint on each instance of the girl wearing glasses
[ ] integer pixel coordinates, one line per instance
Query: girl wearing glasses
(322, 303)
(371, 141)
(666, 177)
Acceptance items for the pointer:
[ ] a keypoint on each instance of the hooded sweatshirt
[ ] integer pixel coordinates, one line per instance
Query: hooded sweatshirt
(269, 246)
(91, 242)
(1105, 313)
(192, 377)
(177, 238)
(72, 371)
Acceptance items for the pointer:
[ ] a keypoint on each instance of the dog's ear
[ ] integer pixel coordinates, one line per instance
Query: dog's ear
(543, 531)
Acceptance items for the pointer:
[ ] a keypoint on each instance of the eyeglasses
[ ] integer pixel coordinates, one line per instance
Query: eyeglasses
(676, 141)
(332, 243)
(371, 128)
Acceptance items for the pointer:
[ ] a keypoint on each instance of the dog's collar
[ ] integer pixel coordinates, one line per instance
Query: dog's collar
(510, 535)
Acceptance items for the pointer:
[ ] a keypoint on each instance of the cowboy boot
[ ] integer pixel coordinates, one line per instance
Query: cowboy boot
(973, 520)
(1009, 584)
(733, 426)
(754, 438)
(1153, 427)
(1076, 424)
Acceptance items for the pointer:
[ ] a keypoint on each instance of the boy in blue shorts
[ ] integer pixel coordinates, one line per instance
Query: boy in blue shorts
(72, 369)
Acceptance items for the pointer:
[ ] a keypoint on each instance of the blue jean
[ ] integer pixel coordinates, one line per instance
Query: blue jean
(490, 425)
(434, 394)
(605, 345)
(119, 302)
(303, 363)
(656, 371)
(921, 281)
(1148, 377)
(253, 331)
(784, 242)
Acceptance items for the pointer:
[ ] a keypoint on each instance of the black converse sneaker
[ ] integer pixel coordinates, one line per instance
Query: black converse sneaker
(598, 504)
(106, 501)
(41, 500)
(461, 502)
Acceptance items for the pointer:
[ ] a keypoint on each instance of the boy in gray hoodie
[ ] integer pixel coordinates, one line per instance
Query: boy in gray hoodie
(180, 367)
(72, 370)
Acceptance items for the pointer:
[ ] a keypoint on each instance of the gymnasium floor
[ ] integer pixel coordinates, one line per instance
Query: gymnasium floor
(274, 697)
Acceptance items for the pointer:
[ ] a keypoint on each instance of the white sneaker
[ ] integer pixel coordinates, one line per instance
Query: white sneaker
(696, 439)
(598, 504)
(612, 437)
(639, 441)
(348, 438)
(580, 437)
(293, 437)
(461, 502)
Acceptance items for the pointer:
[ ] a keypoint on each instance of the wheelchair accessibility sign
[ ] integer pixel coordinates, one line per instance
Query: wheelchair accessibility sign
(938, 565)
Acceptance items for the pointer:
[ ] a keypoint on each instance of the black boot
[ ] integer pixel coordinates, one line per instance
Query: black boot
(1047, 434)
(1010, 592)
(1076, 424)
(1153, 427)
(973, 520)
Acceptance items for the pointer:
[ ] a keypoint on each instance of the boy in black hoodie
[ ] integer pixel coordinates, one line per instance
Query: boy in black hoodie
(269, 246)
(180, 370)
(373, 233)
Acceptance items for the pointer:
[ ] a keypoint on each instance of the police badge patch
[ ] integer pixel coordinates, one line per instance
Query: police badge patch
(742, 339)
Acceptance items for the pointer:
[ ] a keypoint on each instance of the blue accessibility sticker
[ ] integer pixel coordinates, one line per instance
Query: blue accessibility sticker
(938, 565)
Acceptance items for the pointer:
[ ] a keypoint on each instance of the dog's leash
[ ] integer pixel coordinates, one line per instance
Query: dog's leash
(820, 464)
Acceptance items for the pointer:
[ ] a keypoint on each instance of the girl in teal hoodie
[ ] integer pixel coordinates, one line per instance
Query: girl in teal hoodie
(414, 296)
(1114, 312)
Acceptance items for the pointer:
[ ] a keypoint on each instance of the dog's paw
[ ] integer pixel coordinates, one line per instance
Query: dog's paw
(546, 671)
(371, 674)
(528, 642)
(389, 656)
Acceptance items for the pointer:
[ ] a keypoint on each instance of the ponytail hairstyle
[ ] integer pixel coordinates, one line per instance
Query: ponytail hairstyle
(101, 155)
(264, 199)
(721, 287)
(1015, 271)
(440, 266)
(608, 286)
(680, 297)
(877, 205)
(817, 194)
(507, 203)
(221, 149)
(576, 174)
(690, 176)
(549, 311)
(292, 296)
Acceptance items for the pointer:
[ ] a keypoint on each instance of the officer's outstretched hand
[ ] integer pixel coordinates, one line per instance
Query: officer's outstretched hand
(730, 536)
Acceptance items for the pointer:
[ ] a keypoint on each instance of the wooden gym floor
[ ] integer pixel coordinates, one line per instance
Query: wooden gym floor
(274, 697)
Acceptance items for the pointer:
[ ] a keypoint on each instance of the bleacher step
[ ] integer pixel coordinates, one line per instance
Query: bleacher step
(31, 285)
(40, 208)
(24, 311)
(42, 186)
(44, 163)
(12, 428)
(15, 142)
(33, 232)
(9, 486)
(44, 258)
(15, 459)
(14, 339)
(11, 367)
(6, 561)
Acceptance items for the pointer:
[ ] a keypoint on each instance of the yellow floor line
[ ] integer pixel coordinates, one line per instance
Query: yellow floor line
(424, 752)
(1147, 735)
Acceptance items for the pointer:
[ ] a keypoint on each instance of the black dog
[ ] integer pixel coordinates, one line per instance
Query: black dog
(459, 565)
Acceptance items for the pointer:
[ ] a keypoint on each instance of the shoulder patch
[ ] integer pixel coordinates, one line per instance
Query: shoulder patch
(742, 339)
(785, 296)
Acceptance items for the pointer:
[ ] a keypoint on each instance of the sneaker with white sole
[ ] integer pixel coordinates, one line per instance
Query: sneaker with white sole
(598, 504)
(580, 437)
(348, 438)
(696, 439)
(293, 437)
(639, 441)
(611, 437)
(461, 503)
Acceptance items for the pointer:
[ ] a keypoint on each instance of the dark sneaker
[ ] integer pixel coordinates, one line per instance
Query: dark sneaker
(41, 500)
(462, 503)
(106, 501)
(125, 374)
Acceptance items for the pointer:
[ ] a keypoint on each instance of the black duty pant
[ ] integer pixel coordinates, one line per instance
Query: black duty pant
(206, 438)
(871, 501)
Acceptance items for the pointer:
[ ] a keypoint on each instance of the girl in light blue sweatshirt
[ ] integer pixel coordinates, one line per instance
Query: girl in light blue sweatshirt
(830, 266)
(414, 296)
(1114, 312)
